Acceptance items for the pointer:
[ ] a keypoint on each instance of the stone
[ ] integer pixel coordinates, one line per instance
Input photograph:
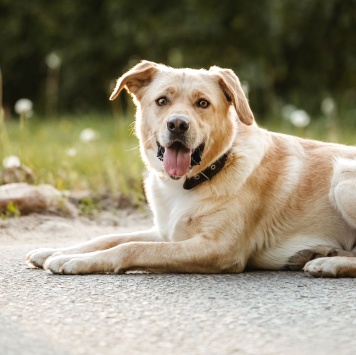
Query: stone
(23, 198)
(14, 174)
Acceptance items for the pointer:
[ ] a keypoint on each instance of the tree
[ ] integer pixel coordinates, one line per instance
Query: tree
(293, 51)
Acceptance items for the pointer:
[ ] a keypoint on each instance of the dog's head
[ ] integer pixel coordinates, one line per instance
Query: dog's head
(187, 118)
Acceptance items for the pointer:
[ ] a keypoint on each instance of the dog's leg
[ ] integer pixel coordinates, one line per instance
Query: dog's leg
(37, 257)
(343, 196)
(301, 258)
(195, 255)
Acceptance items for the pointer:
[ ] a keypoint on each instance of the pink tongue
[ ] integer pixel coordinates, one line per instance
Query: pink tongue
(176, 161)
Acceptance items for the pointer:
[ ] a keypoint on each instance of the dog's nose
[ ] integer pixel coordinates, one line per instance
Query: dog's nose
(178, 124)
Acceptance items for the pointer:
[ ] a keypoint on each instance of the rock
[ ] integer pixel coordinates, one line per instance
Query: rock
(14, 174)
(22, 198)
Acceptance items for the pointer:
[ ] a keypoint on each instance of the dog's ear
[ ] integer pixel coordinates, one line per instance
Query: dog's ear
(135, 79)
(231, 86)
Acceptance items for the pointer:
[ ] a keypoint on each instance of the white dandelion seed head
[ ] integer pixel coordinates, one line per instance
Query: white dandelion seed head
(88, 135)
(53, 61)
(12, 161)
(300, 118)
(24, 107)
(328, 106)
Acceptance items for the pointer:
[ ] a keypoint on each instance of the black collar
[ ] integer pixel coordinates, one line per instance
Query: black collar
(206, 174)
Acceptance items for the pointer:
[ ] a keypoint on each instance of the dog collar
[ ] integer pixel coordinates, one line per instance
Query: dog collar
(206, 174)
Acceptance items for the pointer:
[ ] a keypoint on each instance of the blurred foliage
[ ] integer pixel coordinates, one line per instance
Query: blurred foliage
(289, 51)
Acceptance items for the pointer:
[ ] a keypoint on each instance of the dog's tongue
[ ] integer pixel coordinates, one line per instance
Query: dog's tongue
(176, 160)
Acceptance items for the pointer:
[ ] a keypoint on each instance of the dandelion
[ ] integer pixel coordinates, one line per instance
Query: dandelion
(299, 118)
(328, 106)
(88, 135)
(53, 61)
(24, 107)
(12, 161)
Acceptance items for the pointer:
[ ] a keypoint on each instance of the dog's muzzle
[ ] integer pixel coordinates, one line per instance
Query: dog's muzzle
(177, 158)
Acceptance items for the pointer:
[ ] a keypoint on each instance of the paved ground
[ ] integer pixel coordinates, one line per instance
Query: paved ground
(251, 313)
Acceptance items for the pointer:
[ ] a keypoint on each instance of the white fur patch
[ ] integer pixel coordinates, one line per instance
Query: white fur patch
(276, 257)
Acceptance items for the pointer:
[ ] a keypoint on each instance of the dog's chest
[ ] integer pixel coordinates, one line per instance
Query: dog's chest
(173, 207)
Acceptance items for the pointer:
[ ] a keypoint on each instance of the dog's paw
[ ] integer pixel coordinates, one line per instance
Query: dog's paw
(322, 267)
(302, 257)
(57, 264)
(75, 264)
(338, 266)
(299, 259)
(36, 258)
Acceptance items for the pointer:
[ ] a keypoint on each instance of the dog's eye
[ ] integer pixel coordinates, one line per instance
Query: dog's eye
(203, 103)
(162, 101)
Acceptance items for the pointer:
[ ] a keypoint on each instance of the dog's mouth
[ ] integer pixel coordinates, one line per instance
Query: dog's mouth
(178, 159)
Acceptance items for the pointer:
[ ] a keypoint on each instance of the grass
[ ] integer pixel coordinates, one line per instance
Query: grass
(111, 163)
(57, 155)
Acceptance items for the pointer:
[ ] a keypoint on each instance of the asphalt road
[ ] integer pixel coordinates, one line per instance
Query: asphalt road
(250, 313)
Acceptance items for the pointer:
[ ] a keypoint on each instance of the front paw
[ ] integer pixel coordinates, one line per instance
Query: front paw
(76, 264)
(36, 258)
(328, 267)
(299, 259)
(302, 257)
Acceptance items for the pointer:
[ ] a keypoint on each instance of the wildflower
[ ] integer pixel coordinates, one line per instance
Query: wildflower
(53, 61)
(328, 106)
(23, 107)
(88, 135)
(299, 118)
(12, 161)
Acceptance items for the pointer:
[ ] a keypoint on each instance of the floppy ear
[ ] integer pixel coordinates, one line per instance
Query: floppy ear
(231, 86)
(135, 79)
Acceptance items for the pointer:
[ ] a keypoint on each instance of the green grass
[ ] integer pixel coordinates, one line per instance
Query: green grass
(111, 163)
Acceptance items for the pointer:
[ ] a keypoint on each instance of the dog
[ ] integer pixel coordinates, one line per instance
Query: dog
(226, 195)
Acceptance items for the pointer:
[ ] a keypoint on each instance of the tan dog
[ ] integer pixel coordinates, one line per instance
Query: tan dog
(225, 193)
